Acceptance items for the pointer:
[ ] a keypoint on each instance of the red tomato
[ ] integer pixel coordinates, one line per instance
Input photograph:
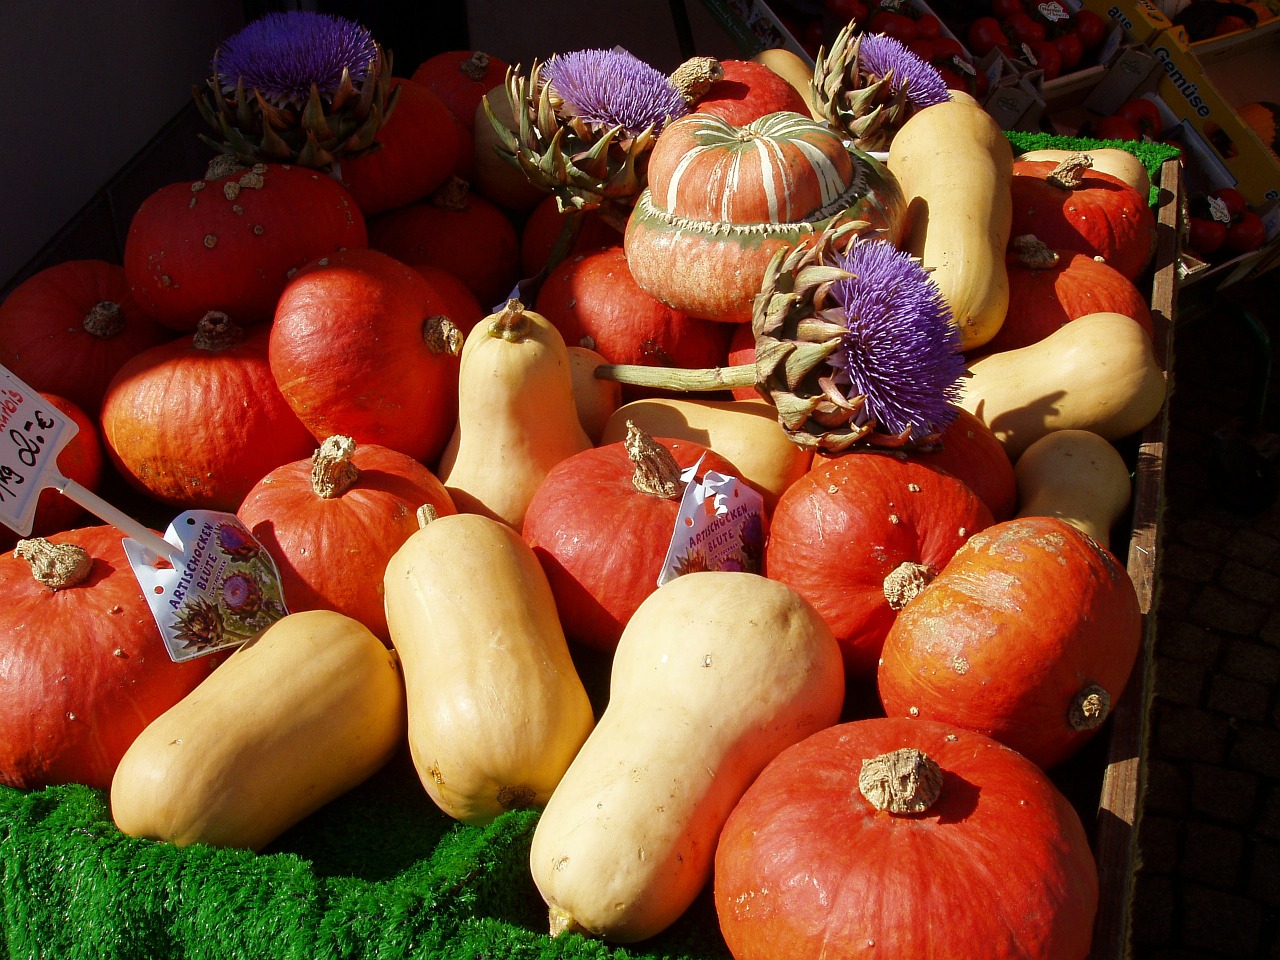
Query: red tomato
(944, 48)
(1004, 9)
(1143, 114)
(1070, 49)
(1233, 200)
(985, 34)
(1115, 128)
(1247, 233)
(1048, 59)
(1090, 28)
(1205, 237)
(923, 48)
(846, 11)
(928, 27)
(896, 25)
(1024, 28)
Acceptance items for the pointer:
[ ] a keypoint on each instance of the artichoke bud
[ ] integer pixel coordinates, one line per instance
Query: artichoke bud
(864, 107)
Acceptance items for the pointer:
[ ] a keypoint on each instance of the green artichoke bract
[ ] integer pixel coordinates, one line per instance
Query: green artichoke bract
(297, 87)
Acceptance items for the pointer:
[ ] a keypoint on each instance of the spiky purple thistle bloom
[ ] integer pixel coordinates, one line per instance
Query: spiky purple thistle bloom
(614, 88)
(879, 54)
(282, 54)
(902, 351)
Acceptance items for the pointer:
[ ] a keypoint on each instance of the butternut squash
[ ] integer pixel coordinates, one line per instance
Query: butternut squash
(291, 720)
(715, 674)
(517, 417)
(595, 399)
(1119, 163)
(1097, 372)
(744, 432)
(496, 709)
(955, 167)
(1076, 476)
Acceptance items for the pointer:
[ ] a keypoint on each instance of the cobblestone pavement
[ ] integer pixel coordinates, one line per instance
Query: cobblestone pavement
(1209, 881)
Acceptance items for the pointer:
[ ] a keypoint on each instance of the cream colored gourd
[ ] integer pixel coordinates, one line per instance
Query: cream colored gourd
(308, 710)
(1097, 373)
(715, 674)
(496, 710)
(744, 432)
(1076, 476)
(596, 399)
(955, 167)
(517, 417)
(1119, 163)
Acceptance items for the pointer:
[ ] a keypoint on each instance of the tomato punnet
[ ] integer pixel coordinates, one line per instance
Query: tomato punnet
(1024, 28)
(1204, 236)
(986, 34)
(1247, 233)
(1143, 114)
(1047, 57)
(1071, 50)
(944, 48)
(896, 25)
(1004, 9)
(928, 27)
(1232, 199)
(1090, 28)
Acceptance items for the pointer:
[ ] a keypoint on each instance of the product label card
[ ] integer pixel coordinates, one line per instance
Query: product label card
(32, 434)
(720, 526)
(223, 590)
(1053, 11)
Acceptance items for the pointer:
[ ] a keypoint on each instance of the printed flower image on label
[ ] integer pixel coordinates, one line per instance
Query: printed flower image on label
(224, 591)
(720, 526)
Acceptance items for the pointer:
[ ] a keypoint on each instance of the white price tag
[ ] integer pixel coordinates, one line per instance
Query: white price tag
(720, 526)
(32, 434)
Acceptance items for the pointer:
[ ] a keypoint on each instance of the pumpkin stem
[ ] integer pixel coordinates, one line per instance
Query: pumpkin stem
(332, 472)
(675, 378)
(426, 514)
(561, 921)
(694, 77)
(1070, 171)
(56, 565)
(656, 470)
(104, 320)
(441, 335)
(901, 781)
(1033, 252)
(475, 66)
(905, 582)
(510, 323)
(216, 331)
(453, 194)
(1090, 708)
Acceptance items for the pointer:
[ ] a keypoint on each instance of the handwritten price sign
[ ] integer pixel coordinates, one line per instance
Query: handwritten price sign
(32, 433)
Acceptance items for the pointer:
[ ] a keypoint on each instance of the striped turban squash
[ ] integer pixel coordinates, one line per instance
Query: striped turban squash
(721, 200)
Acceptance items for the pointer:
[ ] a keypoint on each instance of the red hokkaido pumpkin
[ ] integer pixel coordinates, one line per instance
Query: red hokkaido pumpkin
(594, 301)
(1048, 289)
(542, 230)
(461, 78)
(723, 199)
(230, 241)
(747, 91)
(458, 231)
(81, 460)
(1072, 207)
(859, 534)
(826, 856)
(83, 668)
(198, 421)
(601, 522)
(1027, 635)
(332, 521)
(458, 303)
(418, 149)
(67, 329)
(362, 346)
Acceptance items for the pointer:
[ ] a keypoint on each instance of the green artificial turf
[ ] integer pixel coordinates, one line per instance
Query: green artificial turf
(379, 874)
(1152, 154)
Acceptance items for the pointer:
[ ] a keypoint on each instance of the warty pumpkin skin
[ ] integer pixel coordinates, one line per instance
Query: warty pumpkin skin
(998, 867)
(362, 346)
(82, 669)
(230, 241)
(333, 520)
(858, 533)
(1028, 635)
(198, 421)
(68, 328)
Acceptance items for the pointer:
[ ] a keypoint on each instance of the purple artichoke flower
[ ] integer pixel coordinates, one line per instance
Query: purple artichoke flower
(282, 54)
(614, 88)
(902, 351)
(236, 543)
(241, 594)
(924, 85)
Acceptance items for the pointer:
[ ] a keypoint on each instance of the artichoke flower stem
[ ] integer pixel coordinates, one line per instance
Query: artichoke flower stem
(676, 378)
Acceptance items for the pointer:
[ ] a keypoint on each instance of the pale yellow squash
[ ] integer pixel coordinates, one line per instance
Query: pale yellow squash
(1076, 476)
(715, 674)
(1097, 372)
(496, 710)
(955, 167)
(595, 399)
(517, 416)
(744, 432)
(1119, 163)
(307, 711)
